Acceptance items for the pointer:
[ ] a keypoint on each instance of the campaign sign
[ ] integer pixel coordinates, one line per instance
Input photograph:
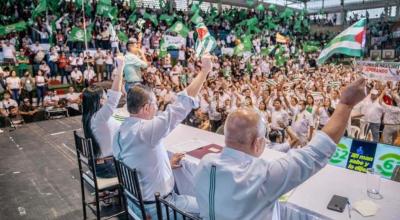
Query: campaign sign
(342, 153)
(387, 157)
(384, 71)
(361, 156)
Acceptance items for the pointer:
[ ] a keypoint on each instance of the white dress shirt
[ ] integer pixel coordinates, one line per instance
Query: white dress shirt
(247, 187)
(372, 111)
(138, 143)
(104, 126)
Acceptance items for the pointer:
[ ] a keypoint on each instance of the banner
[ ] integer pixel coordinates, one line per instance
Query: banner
(383, 71)
(396, 34)
(378, 40)
(174, 42)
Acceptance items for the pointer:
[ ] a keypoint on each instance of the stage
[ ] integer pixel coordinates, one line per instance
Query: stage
(38, 171)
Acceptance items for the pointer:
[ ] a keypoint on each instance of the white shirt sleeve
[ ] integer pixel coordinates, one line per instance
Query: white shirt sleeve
(152, 131)
(107, 110)
(288, 172)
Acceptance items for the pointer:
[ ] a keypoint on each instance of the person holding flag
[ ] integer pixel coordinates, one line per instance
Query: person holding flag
(135, 59)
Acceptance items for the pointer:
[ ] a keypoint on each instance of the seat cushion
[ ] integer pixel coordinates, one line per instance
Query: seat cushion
(102, 183)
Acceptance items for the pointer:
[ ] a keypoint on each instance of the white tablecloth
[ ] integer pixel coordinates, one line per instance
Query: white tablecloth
(310, 199)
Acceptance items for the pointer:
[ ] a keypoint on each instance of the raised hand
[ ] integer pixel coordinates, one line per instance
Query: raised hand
(354, 93)
(206, 64)
(175, 160)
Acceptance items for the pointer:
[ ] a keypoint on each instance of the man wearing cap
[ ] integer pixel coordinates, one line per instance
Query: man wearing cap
(135, 59)
(372, 112)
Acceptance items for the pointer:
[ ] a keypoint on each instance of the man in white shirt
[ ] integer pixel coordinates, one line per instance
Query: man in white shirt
(303, 123)
(372, 112)
(237, 184)
(88, 75)
(138, 142)
(135, 59)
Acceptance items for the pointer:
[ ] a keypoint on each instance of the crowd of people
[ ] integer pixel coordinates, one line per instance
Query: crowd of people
(280, 91)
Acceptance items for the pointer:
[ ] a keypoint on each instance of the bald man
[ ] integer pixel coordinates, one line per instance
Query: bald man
(238, 184)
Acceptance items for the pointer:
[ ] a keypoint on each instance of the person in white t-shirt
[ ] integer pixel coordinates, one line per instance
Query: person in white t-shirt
(109, 64)
(88, 75)
(73, 102)
(99, 64)
(76, 76)
(14, 85)
(51, 100)
(8, 53)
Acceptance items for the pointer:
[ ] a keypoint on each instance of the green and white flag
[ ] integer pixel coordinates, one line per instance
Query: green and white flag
(196, 19)
(350, 42)
(205, 42)
(78, 34)
(180, 29)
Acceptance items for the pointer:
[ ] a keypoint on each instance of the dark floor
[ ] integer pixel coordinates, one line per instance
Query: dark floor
(38, 171)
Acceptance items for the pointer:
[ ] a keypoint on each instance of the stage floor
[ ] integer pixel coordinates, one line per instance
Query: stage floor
(39, 177)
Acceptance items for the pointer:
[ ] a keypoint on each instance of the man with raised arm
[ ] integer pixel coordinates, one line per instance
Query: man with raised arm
(138, 143)
(238, 184)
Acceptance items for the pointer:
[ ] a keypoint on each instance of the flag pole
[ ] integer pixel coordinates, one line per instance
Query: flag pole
(84, 34)
(84, 24)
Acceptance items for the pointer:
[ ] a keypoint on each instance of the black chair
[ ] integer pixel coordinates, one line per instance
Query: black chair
(396, 174)
(87, 173)
(129, 181)
(168, 207)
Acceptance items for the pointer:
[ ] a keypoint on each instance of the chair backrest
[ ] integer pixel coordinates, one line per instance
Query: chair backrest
(396, 174)
(128, 178)
(85, 156)
(171, 211)
(355, 131)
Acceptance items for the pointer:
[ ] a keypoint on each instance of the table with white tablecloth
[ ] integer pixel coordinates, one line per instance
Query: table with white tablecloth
(307, 201)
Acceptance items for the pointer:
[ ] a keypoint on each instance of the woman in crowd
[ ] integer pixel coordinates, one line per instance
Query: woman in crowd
(40, 82)
(28, 85)
(14, 86)
(98, 123)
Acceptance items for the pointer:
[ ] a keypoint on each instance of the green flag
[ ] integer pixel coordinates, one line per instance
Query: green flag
(245, 45)
(88, 7)
(41, 7)
(16, 27)
(78, 34)
(132, 5)
(163, 5)
(152, 18)
(270, 25)
(272, 7)
(250, 3)
(168, 19)
(132, 18)
(180, 29)
(310, 48)
(195, 8)
(163, 48)
(196, 19)
(260, 7)
(122, 37)
(105, 2)
(286, 14)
